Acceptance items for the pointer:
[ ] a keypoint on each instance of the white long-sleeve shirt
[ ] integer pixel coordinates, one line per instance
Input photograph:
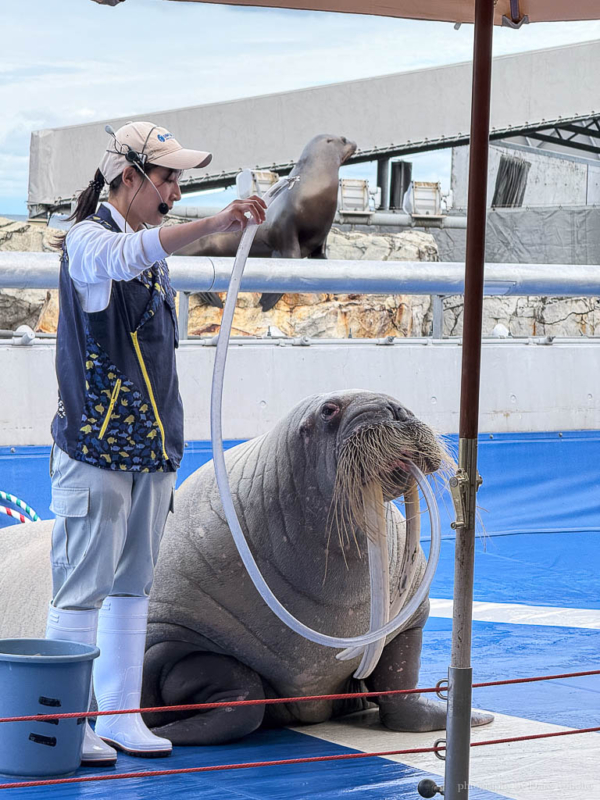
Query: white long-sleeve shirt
(98, 256)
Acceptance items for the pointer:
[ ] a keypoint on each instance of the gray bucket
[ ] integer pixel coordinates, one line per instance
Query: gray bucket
(42, 676)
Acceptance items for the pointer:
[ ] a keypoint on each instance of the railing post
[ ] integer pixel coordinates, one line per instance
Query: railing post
(437, 316)
(183, 315)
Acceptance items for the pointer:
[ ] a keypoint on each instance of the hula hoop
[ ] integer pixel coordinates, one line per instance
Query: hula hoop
(11, 513)
(10, 498)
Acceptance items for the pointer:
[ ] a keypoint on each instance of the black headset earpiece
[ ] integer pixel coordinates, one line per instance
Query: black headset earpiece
(133, 157)
(138, 160)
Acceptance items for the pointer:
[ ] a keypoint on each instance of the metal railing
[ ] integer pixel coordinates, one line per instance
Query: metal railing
(280, 275)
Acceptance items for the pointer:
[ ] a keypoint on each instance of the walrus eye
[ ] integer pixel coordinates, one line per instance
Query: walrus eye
(329, 411)
(344, 140)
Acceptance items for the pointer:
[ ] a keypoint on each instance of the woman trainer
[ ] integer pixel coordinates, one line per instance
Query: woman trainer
(118, 430)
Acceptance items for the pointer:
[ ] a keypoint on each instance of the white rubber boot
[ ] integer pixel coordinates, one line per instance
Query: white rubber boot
(118, 677)
(80, 626)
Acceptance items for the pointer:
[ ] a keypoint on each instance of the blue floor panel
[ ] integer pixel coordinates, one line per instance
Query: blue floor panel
(503, 651)
(367, 779)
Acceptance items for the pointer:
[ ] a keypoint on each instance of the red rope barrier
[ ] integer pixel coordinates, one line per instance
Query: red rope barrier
(536, 736)
(217, 768)
(282, 762)
(279, 700)
(532, 680)
(208, 706)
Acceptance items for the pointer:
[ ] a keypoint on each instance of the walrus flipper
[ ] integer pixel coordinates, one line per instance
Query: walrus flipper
(398, 668)
(202, 677)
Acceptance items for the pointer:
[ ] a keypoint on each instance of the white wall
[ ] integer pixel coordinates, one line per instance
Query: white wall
(525, 387)
(552, 181)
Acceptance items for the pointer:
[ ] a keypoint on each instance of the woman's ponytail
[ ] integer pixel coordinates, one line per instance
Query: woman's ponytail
(87, 203)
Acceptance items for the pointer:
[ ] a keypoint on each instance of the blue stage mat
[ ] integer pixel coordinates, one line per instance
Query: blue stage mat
(502, 651)
(367, 779)
(527, 650)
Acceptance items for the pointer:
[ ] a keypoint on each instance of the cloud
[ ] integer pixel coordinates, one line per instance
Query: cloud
(74, 61)
(16, 73)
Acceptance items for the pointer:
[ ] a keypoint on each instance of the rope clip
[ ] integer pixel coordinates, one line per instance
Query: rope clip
(437, 753)
(441, 689)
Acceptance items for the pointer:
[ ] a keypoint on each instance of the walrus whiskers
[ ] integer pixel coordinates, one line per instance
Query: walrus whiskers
(375, 453)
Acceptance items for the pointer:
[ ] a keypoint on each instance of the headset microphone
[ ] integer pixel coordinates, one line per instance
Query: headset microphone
(138, 160)
(163, 208)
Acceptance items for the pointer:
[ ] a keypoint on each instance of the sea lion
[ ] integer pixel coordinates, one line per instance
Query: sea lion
(298, 491)
(298, 222)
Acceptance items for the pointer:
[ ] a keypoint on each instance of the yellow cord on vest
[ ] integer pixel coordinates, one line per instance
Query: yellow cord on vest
(138, 352)
(113, 400)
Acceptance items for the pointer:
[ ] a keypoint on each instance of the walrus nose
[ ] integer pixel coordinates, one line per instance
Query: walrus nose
(400, 413)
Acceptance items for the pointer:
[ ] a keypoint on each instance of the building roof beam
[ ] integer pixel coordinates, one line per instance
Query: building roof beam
(543, 137)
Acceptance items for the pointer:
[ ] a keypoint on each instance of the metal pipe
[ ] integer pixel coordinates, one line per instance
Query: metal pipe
(392, 219)
(201, 274)
(383, 181)
(456, 786)
(381, 218)
(459, 718)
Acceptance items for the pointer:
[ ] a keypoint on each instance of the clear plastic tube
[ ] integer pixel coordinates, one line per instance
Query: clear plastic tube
(224, 489)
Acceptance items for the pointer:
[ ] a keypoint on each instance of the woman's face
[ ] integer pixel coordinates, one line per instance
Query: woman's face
(144, 199)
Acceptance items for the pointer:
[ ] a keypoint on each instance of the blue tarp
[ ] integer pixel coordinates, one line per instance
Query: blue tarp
(533, 482)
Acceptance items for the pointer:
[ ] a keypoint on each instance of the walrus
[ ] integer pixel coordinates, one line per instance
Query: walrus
(298, 222)
(300, 493)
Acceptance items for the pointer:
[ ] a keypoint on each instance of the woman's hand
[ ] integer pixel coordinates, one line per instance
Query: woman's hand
(237, 215)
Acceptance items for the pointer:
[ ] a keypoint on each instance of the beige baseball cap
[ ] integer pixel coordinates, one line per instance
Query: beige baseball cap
(155, 144)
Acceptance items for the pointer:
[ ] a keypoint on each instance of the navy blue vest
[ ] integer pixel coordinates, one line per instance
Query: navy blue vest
(119, 406)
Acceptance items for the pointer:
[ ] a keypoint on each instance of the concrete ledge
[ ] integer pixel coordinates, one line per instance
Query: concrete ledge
(525, 387)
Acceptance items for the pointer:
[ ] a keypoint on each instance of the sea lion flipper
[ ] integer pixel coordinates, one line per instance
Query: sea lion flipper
(319, 252)
(210, 299)
(269, 301)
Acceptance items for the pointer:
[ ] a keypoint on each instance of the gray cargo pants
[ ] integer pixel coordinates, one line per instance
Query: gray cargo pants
(107, 531)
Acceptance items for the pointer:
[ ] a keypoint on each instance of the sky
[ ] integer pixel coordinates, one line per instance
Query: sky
(65, 62)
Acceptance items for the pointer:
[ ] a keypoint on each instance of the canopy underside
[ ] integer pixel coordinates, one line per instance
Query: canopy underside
(441, 10)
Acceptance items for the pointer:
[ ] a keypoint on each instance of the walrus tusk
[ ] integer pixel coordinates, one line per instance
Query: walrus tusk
(379, 566)
(379, 574)
(411, 547)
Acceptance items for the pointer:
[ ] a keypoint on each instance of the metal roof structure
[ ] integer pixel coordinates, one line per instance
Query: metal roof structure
(433, 113)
